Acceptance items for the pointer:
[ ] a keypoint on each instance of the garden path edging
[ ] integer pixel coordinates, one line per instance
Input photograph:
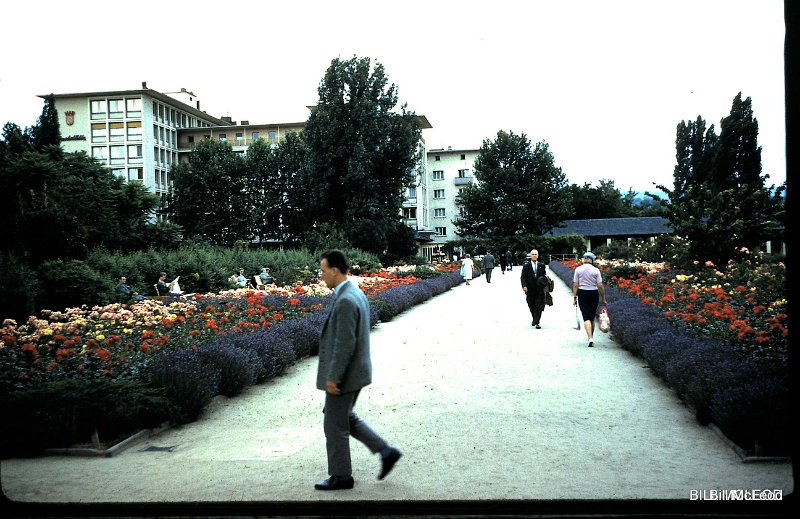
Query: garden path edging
(111, 451)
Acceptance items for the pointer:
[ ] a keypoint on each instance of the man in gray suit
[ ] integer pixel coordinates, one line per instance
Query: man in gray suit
(487, 263)
(344, 368)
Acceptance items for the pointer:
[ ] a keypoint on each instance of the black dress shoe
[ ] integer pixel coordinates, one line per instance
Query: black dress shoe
(388, 461)
(335, 483)
(538, 327)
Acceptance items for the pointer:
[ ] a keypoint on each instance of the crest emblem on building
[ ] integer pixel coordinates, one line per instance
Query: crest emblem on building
(70, 116)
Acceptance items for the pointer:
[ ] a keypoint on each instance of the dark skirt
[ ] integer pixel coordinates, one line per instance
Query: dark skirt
(587, 302)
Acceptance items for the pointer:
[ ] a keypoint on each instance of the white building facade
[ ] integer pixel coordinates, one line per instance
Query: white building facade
(449, 172)
(133, 132)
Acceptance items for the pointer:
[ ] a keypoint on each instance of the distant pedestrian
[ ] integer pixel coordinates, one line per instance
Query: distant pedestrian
(534, 282)
(344, 369)
(466, 268)
(487, 264)
(503, 263)
(509, 260)
(587, 292)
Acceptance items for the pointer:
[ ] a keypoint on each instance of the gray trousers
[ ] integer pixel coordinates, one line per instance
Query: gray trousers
(340, 423)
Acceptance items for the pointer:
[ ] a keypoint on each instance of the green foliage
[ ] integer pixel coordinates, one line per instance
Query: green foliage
(604, 201)
(19, 287)
(68, 412)
(520, 190)
(719, 201)
(46, 132)
(209, 198)
(71, 283)
(360, 154)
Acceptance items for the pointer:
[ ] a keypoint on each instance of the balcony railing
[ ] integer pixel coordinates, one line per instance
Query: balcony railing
(463, 181)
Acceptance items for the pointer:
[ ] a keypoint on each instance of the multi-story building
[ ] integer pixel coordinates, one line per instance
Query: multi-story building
(133, 132)
(449, 172)
(140, 134)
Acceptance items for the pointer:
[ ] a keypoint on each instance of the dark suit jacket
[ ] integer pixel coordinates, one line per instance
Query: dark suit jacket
(531, 279)
(344, 345)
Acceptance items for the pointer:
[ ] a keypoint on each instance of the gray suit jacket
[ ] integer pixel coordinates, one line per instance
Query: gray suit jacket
(344, 344)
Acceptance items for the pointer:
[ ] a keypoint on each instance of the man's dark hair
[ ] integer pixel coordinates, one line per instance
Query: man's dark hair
(338, 259)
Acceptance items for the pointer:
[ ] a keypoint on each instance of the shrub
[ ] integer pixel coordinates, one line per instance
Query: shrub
(187, 380)
(755, 415)
(63, 413)
(71, 283)
(238, 368)
(632, 321)
(699, 372)
(302, 334)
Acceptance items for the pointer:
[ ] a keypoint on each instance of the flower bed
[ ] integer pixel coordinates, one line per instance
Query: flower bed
(688, 327)
(175, 356)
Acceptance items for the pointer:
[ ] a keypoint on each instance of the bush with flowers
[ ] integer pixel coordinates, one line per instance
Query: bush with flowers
(713, 334)
(187, 349)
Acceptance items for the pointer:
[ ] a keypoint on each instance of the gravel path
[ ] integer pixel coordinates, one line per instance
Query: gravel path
(483, 406)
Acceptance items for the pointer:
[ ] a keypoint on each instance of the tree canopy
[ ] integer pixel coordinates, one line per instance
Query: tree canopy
(361, 153)
(520, 190)
(719, 200)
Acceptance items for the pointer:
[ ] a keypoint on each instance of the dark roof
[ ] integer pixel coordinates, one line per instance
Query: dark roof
(640, 226)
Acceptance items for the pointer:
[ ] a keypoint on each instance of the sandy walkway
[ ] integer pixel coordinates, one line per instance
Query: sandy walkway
(483, 406)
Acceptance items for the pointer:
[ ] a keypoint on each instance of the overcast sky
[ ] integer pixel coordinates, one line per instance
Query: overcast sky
(604, 83)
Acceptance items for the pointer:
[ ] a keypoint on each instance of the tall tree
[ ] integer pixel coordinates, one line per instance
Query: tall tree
(603, 201)
(46, 131)
(720, 201)
(209, 195)
(519, 190)
(361, 152)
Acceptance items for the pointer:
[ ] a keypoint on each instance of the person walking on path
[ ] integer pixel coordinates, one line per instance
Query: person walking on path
(466, 268)
(503, 263)
(533, 283)
(488, 265)
(344, 369)
(587, 291)
(509, 260)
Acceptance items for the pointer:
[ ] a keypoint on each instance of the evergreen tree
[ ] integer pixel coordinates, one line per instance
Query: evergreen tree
(519, 190)
(46, 132)
(720, 201)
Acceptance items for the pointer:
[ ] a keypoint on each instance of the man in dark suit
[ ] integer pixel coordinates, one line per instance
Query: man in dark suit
(533, 282)
(344, 368)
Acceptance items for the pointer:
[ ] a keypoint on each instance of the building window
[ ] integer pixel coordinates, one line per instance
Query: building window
(100, 153)
(135, 130)
(135, 174)
(116, 132)
(438, 193)
(239, 136)
(463, 157)
(133, 107)
(191, 139)
(118, 173)
(135, 152)
(412, 192)
(98, 109)
(161, 113)
(273, 135)
(439, 213)
(223, 136)
(410, 213)
(254, 136)
(115, 108)
(117, 155)
(437, 175)
(463, 173)
(437, 158)
(99, 133)
(440, 231)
